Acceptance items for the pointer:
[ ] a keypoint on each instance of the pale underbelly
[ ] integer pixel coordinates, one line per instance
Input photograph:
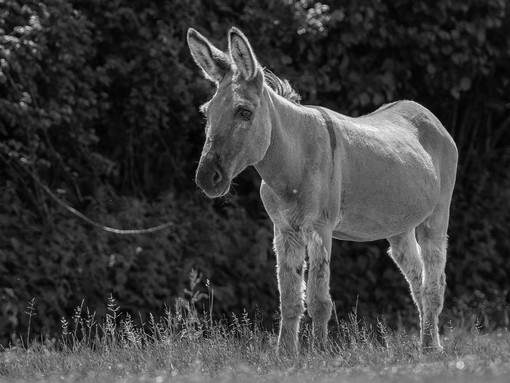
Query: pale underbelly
(364, 228)
(364, 237)
(349, 237)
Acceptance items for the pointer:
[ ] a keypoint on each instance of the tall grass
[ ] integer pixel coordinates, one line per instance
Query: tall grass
(189, 346)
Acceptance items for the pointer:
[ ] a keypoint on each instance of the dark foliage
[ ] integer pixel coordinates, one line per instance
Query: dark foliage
(100, 100)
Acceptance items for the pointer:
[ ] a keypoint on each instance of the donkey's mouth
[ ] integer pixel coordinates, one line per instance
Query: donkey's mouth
(212, 179)
(225, 190)
(219, 191)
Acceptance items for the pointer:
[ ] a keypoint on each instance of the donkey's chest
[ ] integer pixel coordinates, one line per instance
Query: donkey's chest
(289, 212)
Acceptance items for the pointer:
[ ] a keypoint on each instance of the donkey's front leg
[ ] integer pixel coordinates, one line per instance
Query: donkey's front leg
(290, 255)
(318, 299)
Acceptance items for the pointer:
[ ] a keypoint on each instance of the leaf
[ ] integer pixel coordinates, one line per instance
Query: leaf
(286, 60)
(364, 99)
(455, 92)
(15, 244)
(465, 83)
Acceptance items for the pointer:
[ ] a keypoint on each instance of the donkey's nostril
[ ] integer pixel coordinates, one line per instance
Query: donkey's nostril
(216, 177)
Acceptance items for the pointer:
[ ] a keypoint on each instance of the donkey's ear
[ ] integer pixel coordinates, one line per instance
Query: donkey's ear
(213, 62)
(242, 54)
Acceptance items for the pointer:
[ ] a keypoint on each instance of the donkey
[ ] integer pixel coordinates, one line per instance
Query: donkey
(389, 174)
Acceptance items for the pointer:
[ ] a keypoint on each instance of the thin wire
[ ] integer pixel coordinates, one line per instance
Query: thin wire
(84, 217)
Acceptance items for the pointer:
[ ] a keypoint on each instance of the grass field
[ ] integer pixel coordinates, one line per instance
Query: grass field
(185, 347)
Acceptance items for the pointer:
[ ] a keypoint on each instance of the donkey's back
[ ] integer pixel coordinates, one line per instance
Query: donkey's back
(410, 117)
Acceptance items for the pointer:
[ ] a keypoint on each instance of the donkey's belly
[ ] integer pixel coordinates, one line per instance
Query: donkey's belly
(349, 237)
(379, 223)
(378, 207)
(376, 215)
(362, 231)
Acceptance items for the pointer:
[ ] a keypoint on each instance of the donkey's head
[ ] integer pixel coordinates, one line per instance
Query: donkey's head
(237, 131)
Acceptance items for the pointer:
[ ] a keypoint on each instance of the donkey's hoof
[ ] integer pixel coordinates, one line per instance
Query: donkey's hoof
(286, 350)
(432, 349)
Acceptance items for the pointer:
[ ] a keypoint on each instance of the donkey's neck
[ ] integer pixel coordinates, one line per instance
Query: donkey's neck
(283, 166)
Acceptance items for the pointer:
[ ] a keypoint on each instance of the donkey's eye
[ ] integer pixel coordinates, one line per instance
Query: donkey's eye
(245, 114)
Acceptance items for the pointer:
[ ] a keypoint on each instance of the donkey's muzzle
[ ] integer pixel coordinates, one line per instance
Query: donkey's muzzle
(211, 179)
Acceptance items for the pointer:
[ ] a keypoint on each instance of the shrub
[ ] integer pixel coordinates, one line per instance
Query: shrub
(100, 100)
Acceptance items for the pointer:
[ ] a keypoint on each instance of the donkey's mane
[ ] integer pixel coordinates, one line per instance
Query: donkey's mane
(281, 87)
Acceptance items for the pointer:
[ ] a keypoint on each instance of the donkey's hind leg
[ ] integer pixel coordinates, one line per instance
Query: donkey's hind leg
(405, 251)
(431, 235)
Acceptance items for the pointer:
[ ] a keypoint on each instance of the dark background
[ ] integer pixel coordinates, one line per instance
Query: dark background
(99, 99)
